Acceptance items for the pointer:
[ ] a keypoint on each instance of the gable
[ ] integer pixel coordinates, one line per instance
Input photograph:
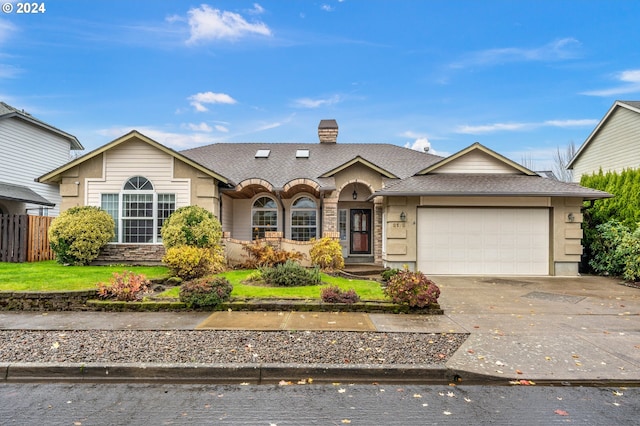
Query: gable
(55, 175)
(477, 159)
(613, 146)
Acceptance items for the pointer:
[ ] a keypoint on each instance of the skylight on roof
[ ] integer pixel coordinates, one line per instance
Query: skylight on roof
(263, 153)
(302, 153)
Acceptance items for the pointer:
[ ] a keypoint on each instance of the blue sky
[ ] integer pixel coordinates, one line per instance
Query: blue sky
(521, 77)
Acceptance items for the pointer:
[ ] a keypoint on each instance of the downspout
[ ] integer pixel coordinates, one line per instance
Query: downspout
(320, 221)
(284, 219)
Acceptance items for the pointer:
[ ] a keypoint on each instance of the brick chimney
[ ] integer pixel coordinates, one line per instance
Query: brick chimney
(328, 131)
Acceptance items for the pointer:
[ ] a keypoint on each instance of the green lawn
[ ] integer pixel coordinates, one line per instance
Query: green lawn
(51, 276)
(366, 289)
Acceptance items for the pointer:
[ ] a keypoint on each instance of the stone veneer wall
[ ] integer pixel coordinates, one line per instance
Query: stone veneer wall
(50, 301)
(143, 254)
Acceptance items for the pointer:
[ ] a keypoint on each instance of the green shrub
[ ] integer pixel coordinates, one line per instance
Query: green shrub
(189, 262)
(78, 234)
(265, 255)
(388, 273)
(616, 251)
(412, 288)
(290, 274)
(607, 258)
(327, 254)
(334, 294)
(124, 287)
(191, 226)
(205, 292)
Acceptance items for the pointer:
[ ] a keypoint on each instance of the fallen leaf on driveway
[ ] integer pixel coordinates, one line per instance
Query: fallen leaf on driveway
(561, 413)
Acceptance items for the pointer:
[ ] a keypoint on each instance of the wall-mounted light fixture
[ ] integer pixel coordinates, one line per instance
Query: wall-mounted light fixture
(354, 195)
(571, 217)
(403, 216)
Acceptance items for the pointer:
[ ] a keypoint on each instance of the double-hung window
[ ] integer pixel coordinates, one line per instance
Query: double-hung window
(303, 219)
(264, 217)
(138, 211)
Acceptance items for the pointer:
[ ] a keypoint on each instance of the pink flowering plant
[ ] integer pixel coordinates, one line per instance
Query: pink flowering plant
(412, 288)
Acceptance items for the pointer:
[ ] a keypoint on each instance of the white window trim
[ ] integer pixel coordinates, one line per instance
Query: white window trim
(292, 209)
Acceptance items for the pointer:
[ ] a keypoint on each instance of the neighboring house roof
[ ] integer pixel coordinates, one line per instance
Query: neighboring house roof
(238, 161)
(56, 174)
(7, 111)
(22, 194)
(630, 105)
(501, 185)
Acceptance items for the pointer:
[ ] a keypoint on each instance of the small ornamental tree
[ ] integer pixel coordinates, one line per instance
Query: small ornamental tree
(192, 237)
(191, 226)
(412, 288)
(327, 254)
(78, 234)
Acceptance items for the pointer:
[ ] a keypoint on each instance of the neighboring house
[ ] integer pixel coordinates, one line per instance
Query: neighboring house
(614, 145)
(29, 148)
(475, 212)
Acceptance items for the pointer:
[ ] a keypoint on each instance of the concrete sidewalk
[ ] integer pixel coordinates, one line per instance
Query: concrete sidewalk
(541, 329)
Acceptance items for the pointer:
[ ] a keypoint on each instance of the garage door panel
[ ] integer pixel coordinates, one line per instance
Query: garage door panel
(483, 241)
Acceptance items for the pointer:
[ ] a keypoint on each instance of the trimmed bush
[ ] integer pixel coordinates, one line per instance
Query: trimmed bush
(387, 274)
(78, 234)
(124, 287)
(290, 274)
(334, 294)
(326, 253)
(188, 262)
(412, 288)
(205, 292)
(264, 255)
(616, 251)
(191, 226)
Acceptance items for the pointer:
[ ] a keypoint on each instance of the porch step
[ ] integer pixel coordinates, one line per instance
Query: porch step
(363, 269)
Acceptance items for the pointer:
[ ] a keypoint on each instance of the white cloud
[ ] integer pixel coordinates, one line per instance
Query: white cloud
(514, 127)
(421, 143)
(6, 30)
(221, 128)
(566, 48)
(173, 140)
(199, 100)
(207, 23)
(257, 10)
(489, 128)
(201, 127)
(316, 103)
(327, 8)
(9, 71)
(630, 80)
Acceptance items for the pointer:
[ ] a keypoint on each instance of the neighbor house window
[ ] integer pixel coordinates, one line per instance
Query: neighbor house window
(264, 217)
(138, 211)
(303, 219)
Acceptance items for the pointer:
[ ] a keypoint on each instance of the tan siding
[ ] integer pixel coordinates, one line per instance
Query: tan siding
(136, 158)
(227, 214)
(22, 143)
(242, 220)
(615, 147)
(476, 162)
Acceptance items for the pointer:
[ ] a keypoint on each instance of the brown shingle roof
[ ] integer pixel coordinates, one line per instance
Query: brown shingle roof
(488, 185)
(237, 161)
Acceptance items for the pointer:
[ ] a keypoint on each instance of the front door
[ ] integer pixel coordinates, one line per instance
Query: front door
(360, 231)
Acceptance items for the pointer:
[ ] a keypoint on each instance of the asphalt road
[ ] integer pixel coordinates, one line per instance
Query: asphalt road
(312, 404)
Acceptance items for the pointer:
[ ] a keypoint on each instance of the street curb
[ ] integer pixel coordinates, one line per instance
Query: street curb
(257, 374)
(232, 373)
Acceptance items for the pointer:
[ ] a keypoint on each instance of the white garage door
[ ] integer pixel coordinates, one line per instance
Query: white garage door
(472, 241)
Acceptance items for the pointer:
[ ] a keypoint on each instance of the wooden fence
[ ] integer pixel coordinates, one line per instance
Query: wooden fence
(23, 238)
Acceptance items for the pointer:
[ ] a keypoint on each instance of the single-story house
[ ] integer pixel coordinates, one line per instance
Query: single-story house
(614, 145)
(475, 212)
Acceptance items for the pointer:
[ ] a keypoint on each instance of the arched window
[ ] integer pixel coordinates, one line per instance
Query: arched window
(303, 219)
(138, 211)
(264, 217)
